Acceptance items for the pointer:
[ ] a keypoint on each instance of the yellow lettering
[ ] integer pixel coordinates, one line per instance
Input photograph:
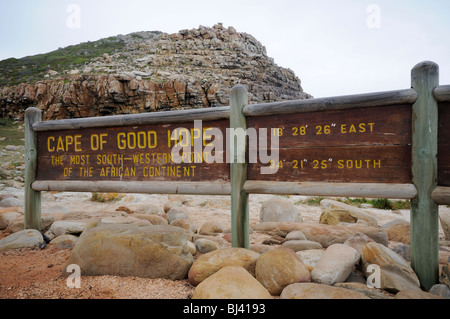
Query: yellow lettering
(121, 142)
(50, 147)
(78, 143)
(362, 127)
(60, 145)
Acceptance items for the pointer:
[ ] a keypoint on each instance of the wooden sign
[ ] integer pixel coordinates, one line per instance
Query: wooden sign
(371, 145)
(444, 145)
(128, 153)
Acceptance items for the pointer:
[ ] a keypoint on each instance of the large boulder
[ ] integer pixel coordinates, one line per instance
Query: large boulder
(318, 291)
(7, 215)
(347, 213)
(22, 239)
(278, 209)
(211, 262)
(335, 265)
(280, 267)
(395, 272)
(133, 250)
(231, 282)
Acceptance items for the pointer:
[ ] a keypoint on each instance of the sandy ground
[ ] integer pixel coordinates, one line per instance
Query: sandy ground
(36, 273)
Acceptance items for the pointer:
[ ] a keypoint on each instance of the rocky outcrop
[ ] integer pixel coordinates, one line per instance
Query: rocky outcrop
(158, 71)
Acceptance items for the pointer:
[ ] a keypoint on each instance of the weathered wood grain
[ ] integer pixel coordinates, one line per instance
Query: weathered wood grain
(192, 188)
(239, 197)
(182, 116)
(365, 190)
(357, 101)
(442, 93)
(424, 211)
(32, 213)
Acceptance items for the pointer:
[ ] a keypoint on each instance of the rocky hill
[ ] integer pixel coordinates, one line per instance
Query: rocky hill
(144, 72)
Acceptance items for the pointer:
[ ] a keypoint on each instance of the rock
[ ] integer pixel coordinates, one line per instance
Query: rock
(415, 294)
(133, 250)
(64, 241)
(172, 203)
(278, 209)
(297, 245)
(22, 239)
(310, 257)
(398, 230)
(352, 211)
(403, 250)
(177, 213)
(335, 265)
(192, 248)
(358, 241)
(153, 219)
(261, 248)
(444, 278)
(280, 267)
(204, 245)
(73, 227)
(362, 288)
(11, 202)
(326, 235)
(440, 290)
(336, 216)
(123, 220)
(318, 291)
(7, 215)
(444, 217)
(149, 209)
(209, 263)
(231, 282)
(210, 227)
(188, 226)
(396, 274)
(295, 235)
(18, 224)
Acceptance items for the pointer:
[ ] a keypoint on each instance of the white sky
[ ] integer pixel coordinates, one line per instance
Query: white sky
(329, 44)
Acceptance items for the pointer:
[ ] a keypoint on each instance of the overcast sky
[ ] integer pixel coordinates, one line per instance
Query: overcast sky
(336, 47)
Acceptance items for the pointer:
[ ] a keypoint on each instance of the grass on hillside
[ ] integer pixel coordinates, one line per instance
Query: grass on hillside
(11, 133)
(33, 68)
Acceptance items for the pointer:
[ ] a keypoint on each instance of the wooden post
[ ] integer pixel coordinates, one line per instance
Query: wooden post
(424, 211)
(239, 197)
(32, 218)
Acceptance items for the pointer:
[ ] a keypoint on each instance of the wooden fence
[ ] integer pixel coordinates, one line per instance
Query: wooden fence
(379, 145)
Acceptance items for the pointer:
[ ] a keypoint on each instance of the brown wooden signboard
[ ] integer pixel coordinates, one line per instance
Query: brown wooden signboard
(444, 145)
(371, 145)
(129, 153)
